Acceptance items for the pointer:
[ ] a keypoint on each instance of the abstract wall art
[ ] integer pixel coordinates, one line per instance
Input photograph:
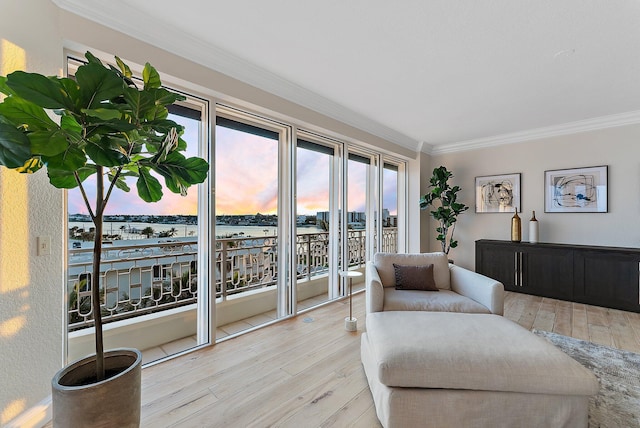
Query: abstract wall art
(498, 193)
(576, 190)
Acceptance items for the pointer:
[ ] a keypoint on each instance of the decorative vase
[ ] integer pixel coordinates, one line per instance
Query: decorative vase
(516, 227)
(533, 229)
(79, 401)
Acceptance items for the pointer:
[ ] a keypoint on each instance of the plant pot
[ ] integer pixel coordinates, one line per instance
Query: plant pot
(79, 401)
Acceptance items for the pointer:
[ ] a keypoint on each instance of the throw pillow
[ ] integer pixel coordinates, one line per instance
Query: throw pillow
(415, 277)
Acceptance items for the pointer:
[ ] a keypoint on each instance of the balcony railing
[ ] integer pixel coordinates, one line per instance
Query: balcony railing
(144, 278)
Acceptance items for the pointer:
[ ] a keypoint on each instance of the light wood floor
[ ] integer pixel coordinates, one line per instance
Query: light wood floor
(306, 371)
(609, 327)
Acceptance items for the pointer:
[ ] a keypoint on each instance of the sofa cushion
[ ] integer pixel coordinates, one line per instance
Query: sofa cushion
(472, 352)
(384, 265)
(415, 277)
(443, 301)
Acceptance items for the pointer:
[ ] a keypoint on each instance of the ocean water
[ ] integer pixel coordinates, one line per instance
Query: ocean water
(130, 231)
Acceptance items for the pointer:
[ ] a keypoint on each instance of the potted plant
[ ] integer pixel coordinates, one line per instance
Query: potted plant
(443, 199)
(111, 128)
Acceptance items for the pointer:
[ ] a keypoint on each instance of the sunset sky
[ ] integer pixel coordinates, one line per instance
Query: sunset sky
(247, 181)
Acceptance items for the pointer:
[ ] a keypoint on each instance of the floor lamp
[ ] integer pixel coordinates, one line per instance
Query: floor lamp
(350, 323)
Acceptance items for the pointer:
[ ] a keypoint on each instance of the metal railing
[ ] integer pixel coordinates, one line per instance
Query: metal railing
(135, 280)
(143, 278)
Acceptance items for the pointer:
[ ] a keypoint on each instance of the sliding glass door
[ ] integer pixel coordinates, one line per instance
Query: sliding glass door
(251, 258)
(317, 187)
(390, 182)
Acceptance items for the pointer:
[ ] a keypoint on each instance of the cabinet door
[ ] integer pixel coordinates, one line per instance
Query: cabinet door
(608, 279)
(498, 261)
(548, 272)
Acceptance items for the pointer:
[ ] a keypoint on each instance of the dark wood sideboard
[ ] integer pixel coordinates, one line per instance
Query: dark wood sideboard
(601, 276)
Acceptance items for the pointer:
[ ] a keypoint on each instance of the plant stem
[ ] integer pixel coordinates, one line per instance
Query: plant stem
(95, 279)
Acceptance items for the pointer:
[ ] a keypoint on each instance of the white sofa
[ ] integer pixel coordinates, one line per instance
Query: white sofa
(459, 289)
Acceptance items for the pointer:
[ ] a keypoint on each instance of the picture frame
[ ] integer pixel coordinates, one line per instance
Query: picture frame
(576, 190)
(498, 193)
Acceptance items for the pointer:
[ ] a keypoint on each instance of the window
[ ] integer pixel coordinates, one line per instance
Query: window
(285, 210)
(153, 272)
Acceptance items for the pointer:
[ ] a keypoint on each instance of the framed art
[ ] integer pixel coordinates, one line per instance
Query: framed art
(498, 193)
(576, 190)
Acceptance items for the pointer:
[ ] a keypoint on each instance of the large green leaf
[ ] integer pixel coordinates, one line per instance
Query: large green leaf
(124, 68)
(103, 113)
(104, 153)
(140, 102)
(101, 127)
(24, 113)
(186, 171)
(64, 179)
(91, 58)
(4, 89)
(71, 126)
(97, 84)
(120, 183)
(15, 147)
(73, 91)
(41, 90)
(165, 97)
(174, 184)
(71, 159)
(48, 143)
(163, 126)
(149, 188)
(150, 77)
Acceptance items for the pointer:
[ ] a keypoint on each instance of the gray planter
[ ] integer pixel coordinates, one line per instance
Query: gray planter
(114, 402)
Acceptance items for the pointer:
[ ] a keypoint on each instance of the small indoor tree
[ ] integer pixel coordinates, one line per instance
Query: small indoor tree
(111, 126)
(443, 200)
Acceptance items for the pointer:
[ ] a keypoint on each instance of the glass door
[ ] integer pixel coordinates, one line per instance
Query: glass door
(389, 208)
(317, 185)
(361, 217)
(251, 257)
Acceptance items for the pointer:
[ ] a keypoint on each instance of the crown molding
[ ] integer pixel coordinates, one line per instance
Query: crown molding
(603, 122)
(192, 48)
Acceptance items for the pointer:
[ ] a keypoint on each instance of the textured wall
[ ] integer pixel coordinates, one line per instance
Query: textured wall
(30, 285)
(616, 147)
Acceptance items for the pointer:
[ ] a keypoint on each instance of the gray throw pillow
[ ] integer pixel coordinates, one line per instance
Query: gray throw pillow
(415, 277)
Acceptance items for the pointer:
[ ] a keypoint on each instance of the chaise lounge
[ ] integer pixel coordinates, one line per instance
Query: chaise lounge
(447, 358)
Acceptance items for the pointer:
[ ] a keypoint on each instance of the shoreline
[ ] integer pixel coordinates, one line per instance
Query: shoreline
(130, 231)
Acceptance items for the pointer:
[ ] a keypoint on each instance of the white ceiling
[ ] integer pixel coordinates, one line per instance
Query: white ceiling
(436, 75)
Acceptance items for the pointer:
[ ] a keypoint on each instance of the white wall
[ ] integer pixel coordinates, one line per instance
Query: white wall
(424, 225)
(619, 148)
(30, 285)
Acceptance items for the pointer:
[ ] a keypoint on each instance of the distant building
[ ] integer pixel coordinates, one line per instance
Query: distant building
(322, 216)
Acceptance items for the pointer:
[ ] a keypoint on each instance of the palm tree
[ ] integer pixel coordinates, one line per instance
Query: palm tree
(148, 231)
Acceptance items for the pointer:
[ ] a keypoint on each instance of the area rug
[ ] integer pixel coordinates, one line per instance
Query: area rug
(617, 404)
